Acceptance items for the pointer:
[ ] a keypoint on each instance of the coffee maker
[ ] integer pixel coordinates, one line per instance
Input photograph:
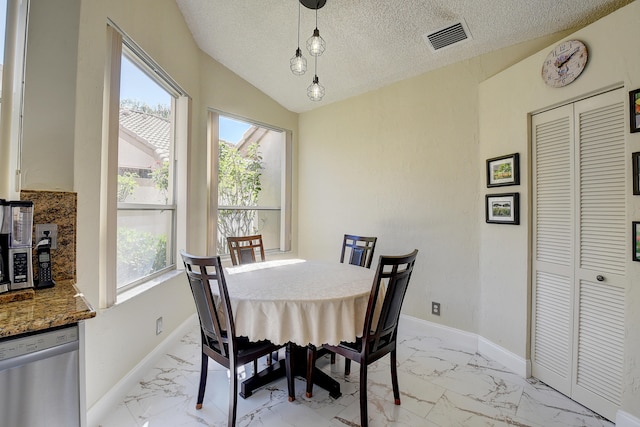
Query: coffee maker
(16, 232)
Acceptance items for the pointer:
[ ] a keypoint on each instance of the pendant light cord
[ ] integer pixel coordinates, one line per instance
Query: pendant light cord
(299, 24)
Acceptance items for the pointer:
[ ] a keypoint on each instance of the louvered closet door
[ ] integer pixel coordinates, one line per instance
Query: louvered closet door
(601, 261)
(553, 237)
(580, 250)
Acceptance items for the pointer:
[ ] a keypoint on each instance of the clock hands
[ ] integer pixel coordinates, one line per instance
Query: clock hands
(562, 59)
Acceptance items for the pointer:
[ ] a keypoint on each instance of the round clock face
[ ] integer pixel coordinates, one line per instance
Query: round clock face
(564, 63)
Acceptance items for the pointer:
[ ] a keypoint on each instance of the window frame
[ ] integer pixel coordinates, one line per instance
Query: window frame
(118, 43)
(213, 141)
(17, 23)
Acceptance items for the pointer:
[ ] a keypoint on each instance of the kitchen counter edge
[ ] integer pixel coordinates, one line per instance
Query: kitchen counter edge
(60, 305)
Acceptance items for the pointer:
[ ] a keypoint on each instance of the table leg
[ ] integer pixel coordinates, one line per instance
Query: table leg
(270, 373)
(297, 363)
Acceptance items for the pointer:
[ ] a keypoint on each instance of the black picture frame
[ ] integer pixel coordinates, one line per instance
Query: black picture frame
(634, 110)
(635, 161)
(503, 170)
(635, 240)
(502, 208)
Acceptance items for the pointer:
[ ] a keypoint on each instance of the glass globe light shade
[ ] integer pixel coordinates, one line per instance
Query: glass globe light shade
(315, 91)
(298, 63)
(316, 44)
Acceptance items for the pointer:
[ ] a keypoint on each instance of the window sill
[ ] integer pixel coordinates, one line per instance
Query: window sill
(142, 288)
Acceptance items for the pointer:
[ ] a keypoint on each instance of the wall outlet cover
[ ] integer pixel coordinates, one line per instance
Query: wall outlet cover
(53, 234)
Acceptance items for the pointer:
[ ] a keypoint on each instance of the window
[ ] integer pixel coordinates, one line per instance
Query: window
(147, 128)
(13, 30)
(252, 176)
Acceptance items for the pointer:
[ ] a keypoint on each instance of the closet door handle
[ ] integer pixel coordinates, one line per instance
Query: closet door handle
(600, 278)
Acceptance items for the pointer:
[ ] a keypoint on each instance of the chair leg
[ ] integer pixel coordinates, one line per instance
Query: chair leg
(289, 370)
(233, 393)
(311, 362)
(333, 358)
(347, 366)
(394, 378)
(364, 416)
(204, 366)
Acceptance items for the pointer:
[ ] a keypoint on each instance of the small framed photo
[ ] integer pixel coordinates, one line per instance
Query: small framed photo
(634, 110)
(504, 170)
(502, 208)
(635, 237)
(635, 160)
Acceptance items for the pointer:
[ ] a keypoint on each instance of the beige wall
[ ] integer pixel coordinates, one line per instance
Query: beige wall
(49, 94)
(401, 163)
(506, 100)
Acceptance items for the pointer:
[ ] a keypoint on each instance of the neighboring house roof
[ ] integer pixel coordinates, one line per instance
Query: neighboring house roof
(251, 135)
(148, 129)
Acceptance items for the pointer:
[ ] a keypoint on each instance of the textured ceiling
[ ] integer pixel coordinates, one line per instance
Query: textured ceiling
(370, 43)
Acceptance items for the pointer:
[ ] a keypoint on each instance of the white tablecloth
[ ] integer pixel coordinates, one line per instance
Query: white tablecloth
(305, 302)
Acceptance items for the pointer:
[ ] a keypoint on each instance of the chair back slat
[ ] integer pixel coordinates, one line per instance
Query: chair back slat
(390, 284)
(360, 249)
(247, 256)
(217, 325)
(243, 249)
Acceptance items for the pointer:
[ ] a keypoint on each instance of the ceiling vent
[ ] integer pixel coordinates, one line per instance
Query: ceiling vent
(447, 36)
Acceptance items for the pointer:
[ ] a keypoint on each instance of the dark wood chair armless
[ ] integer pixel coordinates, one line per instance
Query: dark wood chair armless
(380, 331)
(217, 327)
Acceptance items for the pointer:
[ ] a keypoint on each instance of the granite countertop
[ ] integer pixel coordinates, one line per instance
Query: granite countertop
(60, 305)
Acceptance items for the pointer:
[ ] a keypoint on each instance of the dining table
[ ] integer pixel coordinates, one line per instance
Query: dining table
(298, 303)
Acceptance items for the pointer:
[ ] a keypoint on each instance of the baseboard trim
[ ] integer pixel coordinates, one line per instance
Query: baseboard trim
(113, 397)
(470, 342)
(457, 337)
(624, 419)
(501, 355)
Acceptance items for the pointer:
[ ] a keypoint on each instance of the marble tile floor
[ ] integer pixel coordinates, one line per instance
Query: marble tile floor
(440, 386)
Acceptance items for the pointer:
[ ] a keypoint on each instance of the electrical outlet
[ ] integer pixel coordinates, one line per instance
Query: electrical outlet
(159, 325)
(435, 308)
(53, 234)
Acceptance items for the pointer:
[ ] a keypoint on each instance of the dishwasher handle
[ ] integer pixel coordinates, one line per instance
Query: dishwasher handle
(17, 361)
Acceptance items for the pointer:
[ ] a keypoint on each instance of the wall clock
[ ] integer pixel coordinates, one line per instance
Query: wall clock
(564, 63)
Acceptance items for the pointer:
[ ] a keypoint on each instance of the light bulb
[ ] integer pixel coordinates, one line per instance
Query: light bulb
(315, 91)
(298, 63)
(316, 44)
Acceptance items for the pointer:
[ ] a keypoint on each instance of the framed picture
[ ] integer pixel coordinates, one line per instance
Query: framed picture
(503, 170)
(635, 237)
(635, 160)
(502, 208)
(634, 110)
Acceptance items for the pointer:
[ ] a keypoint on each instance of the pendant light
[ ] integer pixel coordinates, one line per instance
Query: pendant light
(316, 44)
(315, 91)
(298, 63)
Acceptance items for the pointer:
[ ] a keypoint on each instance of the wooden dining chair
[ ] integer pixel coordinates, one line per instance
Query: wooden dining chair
(380, 331)
(217, 327)
(359, 248)
(243, 249)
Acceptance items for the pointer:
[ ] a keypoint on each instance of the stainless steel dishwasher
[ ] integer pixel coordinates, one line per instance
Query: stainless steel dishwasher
(39, 379)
